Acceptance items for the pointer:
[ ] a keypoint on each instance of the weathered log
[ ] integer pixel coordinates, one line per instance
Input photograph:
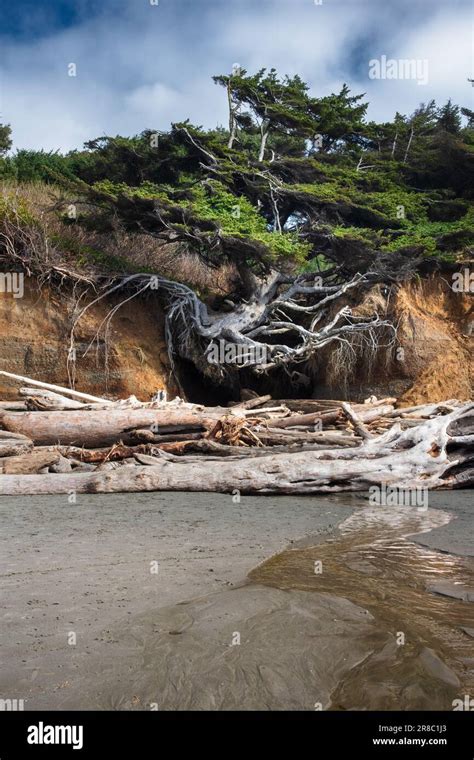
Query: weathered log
(376, 402)
(32, 462)
(41, 400)
(57, 388)
(306, 419)
(414, 458)
(278, 437)
(12, 444)
(462, 426)
(146, 435)
(113, 453)
(365, 413)
(13, 406)
(307, 406)
(205, 446)
(427, 410)
(311, 406)
(95, 428)
(252, 403)
(268, 413)
(369, 413)
(359, 426)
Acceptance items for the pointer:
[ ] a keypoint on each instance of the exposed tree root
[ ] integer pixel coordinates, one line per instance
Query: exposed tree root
(282, 325)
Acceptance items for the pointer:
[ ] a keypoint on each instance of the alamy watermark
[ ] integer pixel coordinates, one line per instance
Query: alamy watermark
(463, 281)
(399, 68)
(243, 354)
(47, 734)
(12, 705)
(464, 704)
(12, 282)
(392, 496)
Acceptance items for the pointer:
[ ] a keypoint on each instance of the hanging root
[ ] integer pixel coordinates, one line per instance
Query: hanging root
(285, 323)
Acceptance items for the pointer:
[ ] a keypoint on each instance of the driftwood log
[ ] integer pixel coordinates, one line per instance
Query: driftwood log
(259, 445)
(13, 444)
(40, 400)
(54, 388)
(415, 458)
(25, 464)
(102, 427)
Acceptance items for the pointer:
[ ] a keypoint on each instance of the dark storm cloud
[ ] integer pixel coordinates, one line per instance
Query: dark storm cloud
(142, 65)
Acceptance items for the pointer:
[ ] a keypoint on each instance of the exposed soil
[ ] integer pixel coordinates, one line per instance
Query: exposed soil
(433, 359)
(435, 331)
(34, 341)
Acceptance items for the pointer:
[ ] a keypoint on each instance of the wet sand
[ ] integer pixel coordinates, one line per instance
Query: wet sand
(198, 635)
(457, 535)
(86, 568)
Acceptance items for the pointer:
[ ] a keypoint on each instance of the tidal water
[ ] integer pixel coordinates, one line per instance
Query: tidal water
(422, 596)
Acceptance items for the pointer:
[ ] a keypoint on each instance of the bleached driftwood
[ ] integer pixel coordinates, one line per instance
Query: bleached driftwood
(101, 427)
(413, 458)
(12, 444)
(25, 464)
(252, 403)
(55, 388)
(359, 426)
(41, 400)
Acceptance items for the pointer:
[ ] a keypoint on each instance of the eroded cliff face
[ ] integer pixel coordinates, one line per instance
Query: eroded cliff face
(436, 332)
(34, 341)
(433, 359)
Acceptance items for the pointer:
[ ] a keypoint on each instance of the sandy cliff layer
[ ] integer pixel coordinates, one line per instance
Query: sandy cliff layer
(34, 341)
(436, 332)
(432, 358)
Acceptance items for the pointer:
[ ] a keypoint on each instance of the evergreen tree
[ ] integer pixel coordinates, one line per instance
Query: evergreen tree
(274, 105)
(469, 116)
(5, 138)
(339, 118)
(449, 118)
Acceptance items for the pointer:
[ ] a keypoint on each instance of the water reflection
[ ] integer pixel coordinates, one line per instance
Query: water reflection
(429, 660)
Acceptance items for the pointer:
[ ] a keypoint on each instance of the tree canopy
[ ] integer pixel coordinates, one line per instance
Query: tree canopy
(295, 180)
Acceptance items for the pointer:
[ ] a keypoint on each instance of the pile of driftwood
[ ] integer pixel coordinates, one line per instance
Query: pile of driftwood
(58, 440)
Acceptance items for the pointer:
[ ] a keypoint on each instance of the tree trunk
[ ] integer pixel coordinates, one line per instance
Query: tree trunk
(94, 428)
(264, 132)
(405, 158)
(232, 119)
(394, 145)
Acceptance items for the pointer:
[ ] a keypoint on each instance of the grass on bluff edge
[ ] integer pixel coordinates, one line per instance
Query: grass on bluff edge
(59, 240)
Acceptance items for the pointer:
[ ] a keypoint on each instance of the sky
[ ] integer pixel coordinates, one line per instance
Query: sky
(142, 64)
